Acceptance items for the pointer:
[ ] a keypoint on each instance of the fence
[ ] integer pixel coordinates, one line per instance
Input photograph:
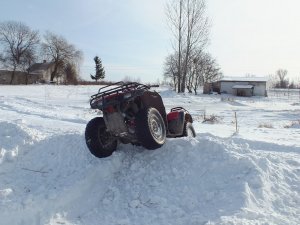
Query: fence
(290, 95)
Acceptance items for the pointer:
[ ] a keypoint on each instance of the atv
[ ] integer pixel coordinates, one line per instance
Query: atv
(133, 114)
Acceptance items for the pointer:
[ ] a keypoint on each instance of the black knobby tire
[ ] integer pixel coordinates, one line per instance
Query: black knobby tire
(99, 141)
(188, 130)
(150, 128)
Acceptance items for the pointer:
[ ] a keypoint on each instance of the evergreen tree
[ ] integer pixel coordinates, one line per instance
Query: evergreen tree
(100, 73)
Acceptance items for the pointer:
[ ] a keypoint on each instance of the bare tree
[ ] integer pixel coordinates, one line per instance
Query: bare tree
(174, 12)
(71, 74)
(212, 71)
(197, 33)
(2, 60)
(171, 69)
(283, 80)
(298, 82)
(202, 69)
(57, 49)
(189, 26)
(272, 81)
(199, 64)
(206, 70)
(29, 58)
(17, 41)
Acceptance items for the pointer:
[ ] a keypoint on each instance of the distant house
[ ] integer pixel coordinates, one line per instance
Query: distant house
(38, 73)
(19, 78)
(241, 86)
(244, 86)
(42, 71)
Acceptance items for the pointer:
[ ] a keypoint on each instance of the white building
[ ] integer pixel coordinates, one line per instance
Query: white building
(244, 86)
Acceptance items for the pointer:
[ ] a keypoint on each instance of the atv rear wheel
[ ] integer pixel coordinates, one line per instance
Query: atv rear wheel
(151, 128)
(188, 130)
(99, 141)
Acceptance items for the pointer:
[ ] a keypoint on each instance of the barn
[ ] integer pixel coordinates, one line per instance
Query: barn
(38, 73)
(243, 86)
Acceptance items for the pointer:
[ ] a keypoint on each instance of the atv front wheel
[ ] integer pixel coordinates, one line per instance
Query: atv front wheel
(99, 141)
(151, 128)
(188, 130)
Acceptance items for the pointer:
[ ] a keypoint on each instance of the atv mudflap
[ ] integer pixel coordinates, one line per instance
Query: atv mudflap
(175, 123)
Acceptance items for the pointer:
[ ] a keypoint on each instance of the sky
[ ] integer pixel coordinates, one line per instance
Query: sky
(132, 37)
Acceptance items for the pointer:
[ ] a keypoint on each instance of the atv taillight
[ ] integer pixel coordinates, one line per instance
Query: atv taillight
(173, 116)
(110, 109)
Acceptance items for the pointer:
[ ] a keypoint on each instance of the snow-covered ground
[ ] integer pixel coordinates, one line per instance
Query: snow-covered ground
(47, 175)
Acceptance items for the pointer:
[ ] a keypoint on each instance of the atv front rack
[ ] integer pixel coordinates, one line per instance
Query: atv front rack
(117, 89)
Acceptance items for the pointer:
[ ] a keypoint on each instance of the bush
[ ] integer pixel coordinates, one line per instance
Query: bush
(265, 125)
(292, 124)
(227, 99)
(212, 119)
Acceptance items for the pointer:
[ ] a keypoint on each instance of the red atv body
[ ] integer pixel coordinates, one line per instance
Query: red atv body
(133, 114)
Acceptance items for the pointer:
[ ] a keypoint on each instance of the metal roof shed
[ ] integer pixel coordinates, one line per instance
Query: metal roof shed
(244, 86)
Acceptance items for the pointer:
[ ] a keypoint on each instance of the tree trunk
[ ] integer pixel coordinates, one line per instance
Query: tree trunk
(26, 78)
(179, 46)
(174, 81)
(13, 75)
(195, 90)
(178, 85)
(54, 73)
(191, 81)
(188, 45)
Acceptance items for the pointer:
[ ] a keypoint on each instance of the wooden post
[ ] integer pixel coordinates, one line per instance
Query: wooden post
(236, 123)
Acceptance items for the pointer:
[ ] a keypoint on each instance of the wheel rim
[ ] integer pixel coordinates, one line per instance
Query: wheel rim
(105, 137)
(156, 128)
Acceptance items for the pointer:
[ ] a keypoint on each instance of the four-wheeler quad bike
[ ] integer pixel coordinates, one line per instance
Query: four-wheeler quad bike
(133, 114)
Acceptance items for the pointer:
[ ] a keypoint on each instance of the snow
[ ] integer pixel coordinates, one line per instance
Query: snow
(47, 175)
(258, 79)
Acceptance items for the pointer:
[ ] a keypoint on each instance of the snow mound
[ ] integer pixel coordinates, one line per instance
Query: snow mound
(181, 183)
(12, 137)
(204, 180)
(199, 181)
(49, 177)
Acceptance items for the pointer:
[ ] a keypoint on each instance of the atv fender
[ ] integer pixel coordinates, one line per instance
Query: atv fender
(154, 100)
(176, 121)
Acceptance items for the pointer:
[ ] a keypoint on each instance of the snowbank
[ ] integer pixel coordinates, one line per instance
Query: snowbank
(187, 181)
(47, 175)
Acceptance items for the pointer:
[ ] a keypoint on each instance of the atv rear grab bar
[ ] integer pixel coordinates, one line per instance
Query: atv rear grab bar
(114, 84)
(122, 83)
(120, 88)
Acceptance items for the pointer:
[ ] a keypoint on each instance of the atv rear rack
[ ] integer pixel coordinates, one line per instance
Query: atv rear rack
(120, 89)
